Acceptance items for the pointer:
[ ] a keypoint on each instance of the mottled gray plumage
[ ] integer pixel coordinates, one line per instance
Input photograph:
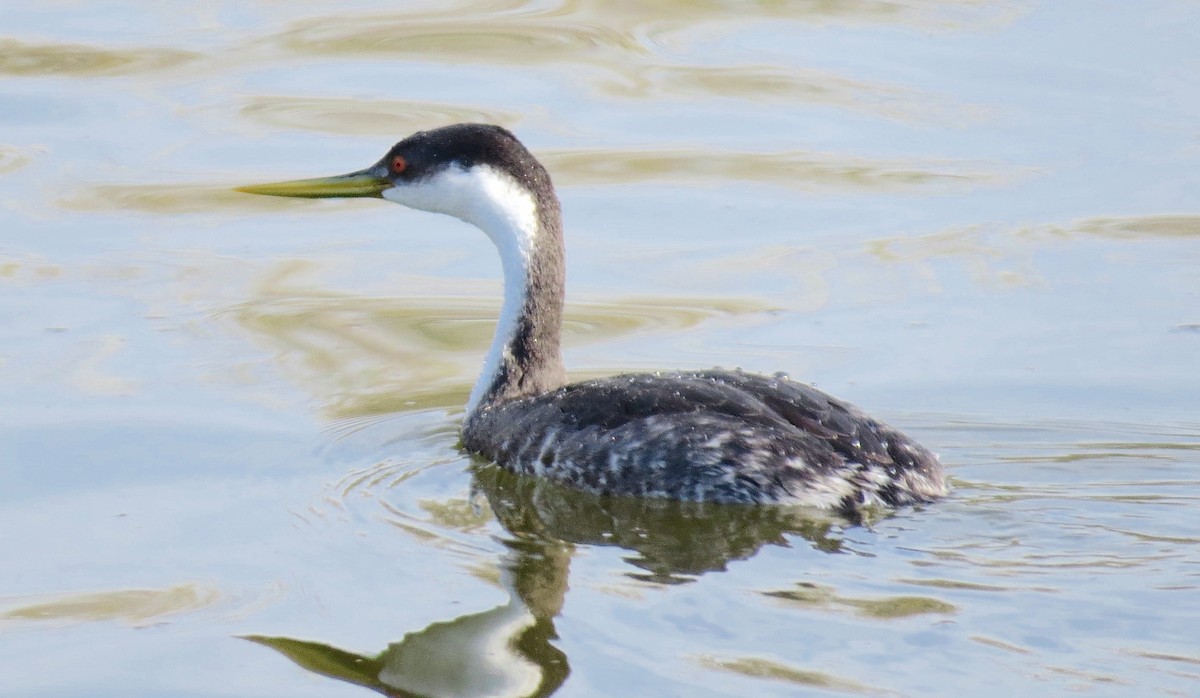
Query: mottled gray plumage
(714, 435)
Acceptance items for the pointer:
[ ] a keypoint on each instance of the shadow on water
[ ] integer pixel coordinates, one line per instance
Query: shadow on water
(509, 650)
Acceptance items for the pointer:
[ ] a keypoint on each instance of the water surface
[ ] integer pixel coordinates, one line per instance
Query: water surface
(228, 444)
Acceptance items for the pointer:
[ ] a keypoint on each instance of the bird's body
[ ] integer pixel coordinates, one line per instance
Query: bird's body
(715, 435)
(707, 435)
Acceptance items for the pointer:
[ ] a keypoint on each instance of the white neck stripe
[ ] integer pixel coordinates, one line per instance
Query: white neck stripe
(496, 204)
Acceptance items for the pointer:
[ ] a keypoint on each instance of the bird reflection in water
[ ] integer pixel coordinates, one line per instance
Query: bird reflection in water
(509, 650)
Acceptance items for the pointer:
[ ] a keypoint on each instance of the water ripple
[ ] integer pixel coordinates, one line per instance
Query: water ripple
(586, 31)
(792, 169)
(759, 668)
(137, 607)
(170, 199)
(618, 43)
(814, 596)
(799, 170)
(358, 116)
(22, 59)
(368, 355)
(456, 38)
(13, 158)
(767, 83)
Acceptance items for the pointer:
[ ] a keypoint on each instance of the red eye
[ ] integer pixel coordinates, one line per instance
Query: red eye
(398, 164)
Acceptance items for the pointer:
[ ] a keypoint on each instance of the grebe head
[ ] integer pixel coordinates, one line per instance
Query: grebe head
(478, 173)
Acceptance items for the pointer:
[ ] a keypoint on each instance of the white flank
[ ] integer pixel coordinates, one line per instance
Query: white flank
(496, 204)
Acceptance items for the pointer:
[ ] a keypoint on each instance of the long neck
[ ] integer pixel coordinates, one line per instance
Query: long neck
(525, 358)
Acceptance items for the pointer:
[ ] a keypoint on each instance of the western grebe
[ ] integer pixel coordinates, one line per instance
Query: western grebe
(715, 435)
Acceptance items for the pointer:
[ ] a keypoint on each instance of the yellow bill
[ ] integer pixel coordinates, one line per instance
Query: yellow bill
(355, 184)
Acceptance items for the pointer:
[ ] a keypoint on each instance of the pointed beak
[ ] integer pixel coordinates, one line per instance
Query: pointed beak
(364, 183)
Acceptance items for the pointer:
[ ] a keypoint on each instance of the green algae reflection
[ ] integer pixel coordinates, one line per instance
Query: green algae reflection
(814, 596)
(137, 607)
(368, 355)
(759, 668)
(22, 59)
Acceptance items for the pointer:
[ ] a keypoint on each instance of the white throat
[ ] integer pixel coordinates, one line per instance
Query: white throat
(496, 204)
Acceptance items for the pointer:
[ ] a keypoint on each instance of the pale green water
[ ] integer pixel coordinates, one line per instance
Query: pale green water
(225, 416)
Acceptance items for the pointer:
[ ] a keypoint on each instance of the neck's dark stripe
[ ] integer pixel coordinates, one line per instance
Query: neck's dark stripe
(533, 362)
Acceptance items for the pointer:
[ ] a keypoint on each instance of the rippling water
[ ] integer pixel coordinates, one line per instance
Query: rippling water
(228, 451)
